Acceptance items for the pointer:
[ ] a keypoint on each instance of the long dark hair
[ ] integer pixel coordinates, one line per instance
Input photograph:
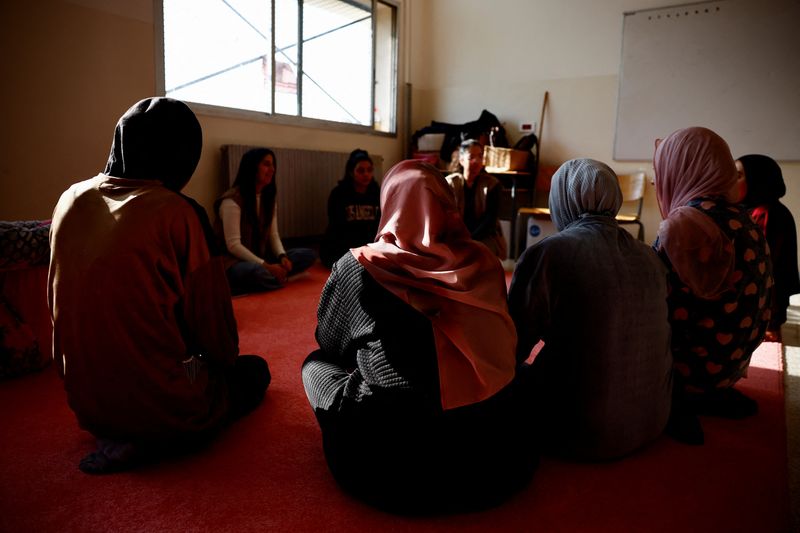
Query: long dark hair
(356, 156)
(246, 182)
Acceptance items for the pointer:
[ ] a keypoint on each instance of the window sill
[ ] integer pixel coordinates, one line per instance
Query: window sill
(284, 120)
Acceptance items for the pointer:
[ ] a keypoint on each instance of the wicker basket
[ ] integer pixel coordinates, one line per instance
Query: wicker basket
(504, 159)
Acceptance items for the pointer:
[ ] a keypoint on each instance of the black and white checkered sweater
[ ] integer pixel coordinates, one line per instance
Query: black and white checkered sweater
(374, 347)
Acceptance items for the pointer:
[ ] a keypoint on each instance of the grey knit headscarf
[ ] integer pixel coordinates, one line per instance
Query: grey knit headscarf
(582, 187)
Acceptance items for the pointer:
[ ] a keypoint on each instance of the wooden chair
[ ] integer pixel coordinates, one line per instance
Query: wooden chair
(544, 227)
(632, 186)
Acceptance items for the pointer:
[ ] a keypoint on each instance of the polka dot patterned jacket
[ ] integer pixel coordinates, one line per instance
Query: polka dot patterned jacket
(713, 339)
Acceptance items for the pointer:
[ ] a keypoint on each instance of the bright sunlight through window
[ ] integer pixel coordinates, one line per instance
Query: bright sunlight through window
(332, 60)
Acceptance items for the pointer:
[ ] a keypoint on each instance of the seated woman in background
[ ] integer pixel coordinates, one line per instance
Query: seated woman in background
(353, 209)
(719, 278)
(247, 222)
(410, 385)
(765, 188)
(142, 318)
(601, 386)
(478, 198)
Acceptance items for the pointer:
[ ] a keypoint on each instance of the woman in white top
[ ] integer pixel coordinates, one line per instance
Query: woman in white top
(247, 222)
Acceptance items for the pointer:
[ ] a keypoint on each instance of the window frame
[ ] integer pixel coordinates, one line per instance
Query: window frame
(295, 120)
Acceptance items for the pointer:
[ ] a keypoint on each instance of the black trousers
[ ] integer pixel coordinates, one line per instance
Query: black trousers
(401, 459)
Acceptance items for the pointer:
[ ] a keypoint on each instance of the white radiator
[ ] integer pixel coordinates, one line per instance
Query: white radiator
(304, 179)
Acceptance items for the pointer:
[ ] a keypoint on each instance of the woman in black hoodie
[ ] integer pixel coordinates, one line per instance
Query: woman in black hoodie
(353, 209)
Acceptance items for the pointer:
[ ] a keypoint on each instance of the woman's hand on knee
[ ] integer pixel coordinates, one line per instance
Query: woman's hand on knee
(277, 271)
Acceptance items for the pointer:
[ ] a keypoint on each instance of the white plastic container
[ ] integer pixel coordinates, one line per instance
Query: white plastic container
(538, 227)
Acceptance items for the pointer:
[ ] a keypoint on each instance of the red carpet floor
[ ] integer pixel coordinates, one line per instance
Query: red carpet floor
(267, 472)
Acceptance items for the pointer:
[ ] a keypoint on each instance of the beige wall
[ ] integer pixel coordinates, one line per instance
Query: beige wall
(503, 55)
(70, 69)
(68, 72)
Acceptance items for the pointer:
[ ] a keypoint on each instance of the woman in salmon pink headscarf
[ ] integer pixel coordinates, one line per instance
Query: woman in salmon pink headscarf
(719, 278)
(411, 382)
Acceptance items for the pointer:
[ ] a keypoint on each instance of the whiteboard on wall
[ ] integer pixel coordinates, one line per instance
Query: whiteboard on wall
(732, 66)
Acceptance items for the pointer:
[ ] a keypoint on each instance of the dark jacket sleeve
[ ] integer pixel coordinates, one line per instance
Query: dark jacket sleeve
(487, 224)
(333, 244)
(529, 301)
(336, 207)
(209, 325)
(782, 239)
(208, 312)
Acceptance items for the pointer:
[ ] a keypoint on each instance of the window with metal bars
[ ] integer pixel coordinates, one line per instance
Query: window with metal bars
(330, 60)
